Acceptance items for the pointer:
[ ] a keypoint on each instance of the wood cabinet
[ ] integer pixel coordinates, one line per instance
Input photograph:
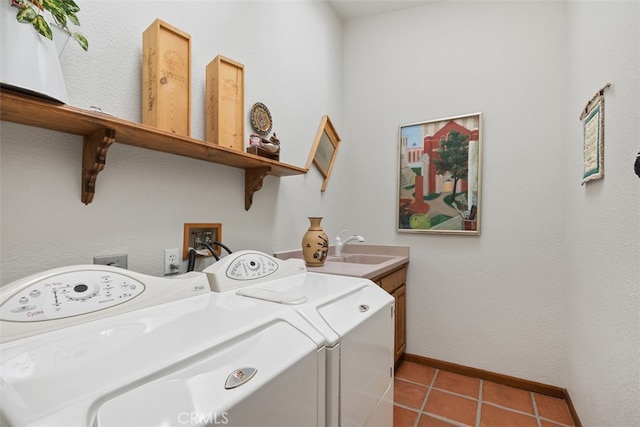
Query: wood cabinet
(394, 282)
(100, 131)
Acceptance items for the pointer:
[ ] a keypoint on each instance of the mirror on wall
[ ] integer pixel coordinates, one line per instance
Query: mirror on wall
(324, 150)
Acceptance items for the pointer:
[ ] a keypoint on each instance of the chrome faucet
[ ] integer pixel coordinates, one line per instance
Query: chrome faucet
(340, 244)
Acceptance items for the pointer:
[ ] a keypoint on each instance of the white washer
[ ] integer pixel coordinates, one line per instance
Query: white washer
(101, 346)
(355, 316)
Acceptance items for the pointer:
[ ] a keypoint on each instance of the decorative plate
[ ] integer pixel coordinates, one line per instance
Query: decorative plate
(261, 118)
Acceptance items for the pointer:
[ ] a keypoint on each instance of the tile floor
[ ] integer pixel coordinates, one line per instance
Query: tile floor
(426, 397)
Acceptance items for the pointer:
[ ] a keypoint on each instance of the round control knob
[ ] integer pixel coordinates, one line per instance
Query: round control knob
(81, 292)
(80, 288)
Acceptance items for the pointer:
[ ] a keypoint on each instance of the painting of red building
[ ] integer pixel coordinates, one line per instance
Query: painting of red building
(432, 144)
(439, 174)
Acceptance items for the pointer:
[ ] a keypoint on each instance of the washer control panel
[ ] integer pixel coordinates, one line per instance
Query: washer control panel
(70, 294)
(244, 268)
(251, 266)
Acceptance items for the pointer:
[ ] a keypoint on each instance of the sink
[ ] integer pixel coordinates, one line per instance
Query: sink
(360, 258)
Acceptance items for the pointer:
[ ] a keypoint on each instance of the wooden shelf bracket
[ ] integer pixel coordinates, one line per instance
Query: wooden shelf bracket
(94, 156)
(253, 182)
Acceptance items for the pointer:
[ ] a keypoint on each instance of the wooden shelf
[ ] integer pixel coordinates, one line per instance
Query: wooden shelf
(100, 131)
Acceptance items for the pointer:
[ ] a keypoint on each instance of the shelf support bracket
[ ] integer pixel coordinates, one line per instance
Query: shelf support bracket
(94, 156)
(253, 182)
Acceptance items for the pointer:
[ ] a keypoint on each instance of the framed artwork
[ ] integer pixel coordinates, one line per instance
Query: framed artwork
(324, 150)
(439, 175)
(593, 137)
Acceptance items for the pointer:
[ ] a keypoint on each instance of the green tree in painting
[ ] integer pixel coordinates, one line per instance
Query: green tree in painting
(453, 157)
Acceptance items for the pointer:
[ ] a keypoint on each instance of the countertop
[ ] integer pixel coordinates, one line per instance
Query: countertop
(399, 255)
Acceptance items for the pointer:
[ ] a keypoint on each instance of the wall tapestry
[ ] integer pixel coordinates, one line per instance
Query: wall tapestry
(439, 176)
(593, 137)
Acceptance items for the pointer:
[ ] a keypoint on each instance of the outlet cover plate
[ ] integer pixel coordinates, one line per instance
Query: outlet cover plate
(171, 258)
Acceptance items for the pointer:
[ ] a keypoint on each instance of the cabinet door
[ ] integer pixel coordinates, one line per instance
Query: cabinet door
(400, 296)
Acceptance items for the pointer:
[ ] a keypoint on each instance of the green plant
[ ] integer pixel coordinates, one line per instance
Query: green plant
(62, 11)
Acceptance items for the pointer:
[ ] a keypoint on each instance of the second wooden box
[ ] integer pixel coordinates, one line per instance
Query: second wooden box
(225, 103)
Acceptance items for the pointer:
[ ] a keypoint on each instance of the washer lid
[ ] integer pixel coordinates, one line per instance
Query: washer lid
(316, 294)
(226, 385)
(273, 296)
(53, 378)
(348, 311)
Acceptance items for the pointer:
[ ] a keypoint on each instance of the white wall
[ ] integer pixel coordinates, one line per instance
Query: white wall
(496, 301)
(291, 52)
(549, 291)
(604, 232)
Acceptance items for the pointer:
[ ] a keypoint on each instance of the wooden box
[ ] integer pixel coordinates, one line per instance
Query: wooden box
(225, 103)
(166, 78)
(259, 151)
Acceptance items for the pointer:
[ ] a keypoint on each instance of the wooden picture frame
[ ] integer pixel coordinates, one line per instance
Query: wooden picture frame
(324, 150)
(439, 176)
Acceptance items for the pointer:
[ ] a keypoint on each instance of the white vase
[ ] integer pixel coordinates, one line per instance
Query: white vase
(60, 38)
(28, 61)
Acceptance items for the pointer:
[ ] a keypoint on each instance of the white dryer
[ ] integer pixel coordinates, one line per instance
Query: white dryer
(101, 346)
(355, 316)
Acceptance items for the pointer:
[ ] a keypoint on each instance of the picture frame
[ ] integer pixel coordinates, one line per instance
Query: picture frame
(593, 139)
(439, 176)
(324, 150)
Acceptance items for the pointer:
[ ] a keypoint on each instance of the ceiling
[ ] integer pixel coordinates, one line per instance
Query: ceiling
(352, 9)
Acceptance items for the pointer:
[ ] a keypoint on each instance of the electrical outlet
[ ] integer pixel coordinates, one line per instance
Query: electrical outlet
(112, 260)
(171, 261)
(196, 234)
